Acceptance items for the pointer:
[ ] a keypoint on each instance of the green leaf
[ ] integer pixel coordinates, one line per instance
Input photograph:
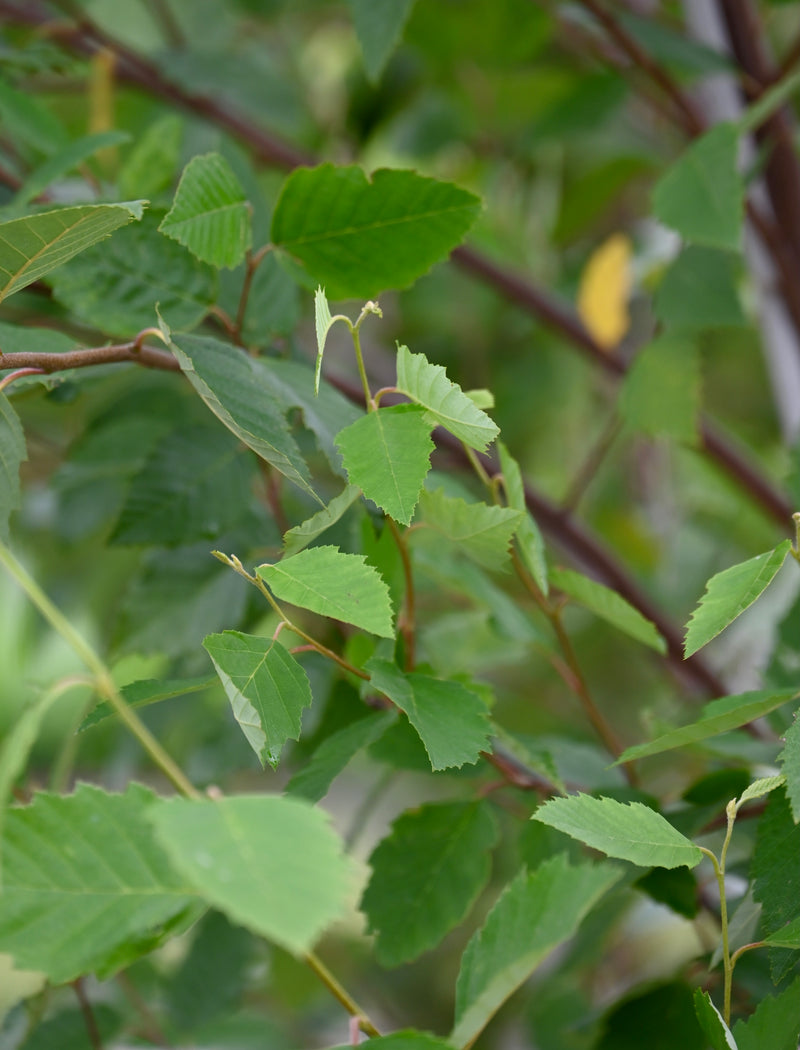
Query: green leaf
(33, 246)
(534, 914)
(342, 586)
(379, 28)
(27, 119)
(266, 686)
(359, 237)
(699, 291)
(145, 692)
(333, 754)
(71, 156)
(238, 393)
(325, 415)
(790, 759)
(759, 788)
(298, 538)
(387, 453)
(481, 532)
(718, 716)
(729, 593)
(661, 392)
(323, 324)
(210, 215)
(629, 1018)
(428, 385)
(151, 164)
(717, 1032)
(12, 455)
(17, 746)
(115, 286)
(212, 976)
(196, 484)
(450, 719)
(775, 1023)
(609, 606)
(271, 864)
(629, 831)
(426, 876)
(776, 874)
(83, 880)
(787, 936)
(702, 194)
(529, 538)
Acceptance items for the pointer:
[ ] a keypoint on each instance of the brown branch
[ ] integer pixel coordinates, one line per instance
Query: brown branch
(782, 173)
(99, 355)
(691, 118)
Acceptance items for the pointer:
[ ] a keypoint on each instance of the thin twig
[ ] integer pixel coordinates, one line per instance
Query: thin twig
(587, 471)
(341, 994)
(92, 1031)
(691, 117)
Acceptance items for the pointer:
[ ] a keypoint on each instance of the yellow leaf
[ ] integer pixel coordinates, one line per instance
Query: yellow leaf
(604, 290)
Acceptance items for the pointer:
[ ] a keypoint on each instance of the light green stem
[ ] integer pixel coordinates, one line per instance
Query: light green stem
(719, 871)
(103, 681)
(340, 992)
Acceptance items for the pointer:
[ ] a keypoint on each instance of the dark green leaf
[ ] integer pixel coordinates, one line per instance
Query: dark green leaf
(210, 215)
(115, 286)
(677, 1026)
(65, 160)
(313, 781)
(481, 531)
(358, 237)
(702, 194)
(716, 1031)
(379, 28)
(426, 875)
(195, 485)
(152, 163)
(790, 757)
(535, 913)
(266, 686)
(699, 291)
(146, 692)
(292, 384)
(334, 584)
(609, 606)
(451, 720)
(718, 716)
(212, 977)
(775, 1022)
(270, 864)
(629, 831)
(82, 879)
(387, 454)
(298, 538)
(776, 873)
(238, 393)
(529, 538)
(661, 392)
(729, 593)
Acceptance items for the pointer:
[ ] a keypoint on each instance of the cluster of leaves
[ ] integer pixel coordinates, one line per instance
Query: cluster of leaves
(397, 606)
